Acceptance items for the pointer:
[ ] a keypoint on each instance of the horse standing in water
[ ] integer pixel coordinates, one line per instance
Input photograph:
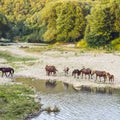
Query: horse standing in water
(6, 70)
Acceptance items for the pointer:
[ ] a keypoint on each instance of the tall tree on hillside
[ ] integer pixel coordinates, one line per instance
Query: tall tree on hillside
(4, 26)
(115, 12)
(99, 26)
(64, 21)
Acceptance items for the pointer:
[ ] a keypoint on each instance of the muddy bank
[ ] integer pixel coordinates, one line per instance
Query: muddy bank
(109, 62)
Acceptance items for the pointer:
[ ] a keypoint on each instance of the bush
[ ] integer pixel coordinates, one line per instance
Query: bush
(116, 43)
(82, 44)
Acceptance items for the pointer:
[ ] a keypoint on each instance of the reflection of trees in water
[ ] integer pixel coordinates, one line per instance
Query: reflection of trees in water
(51, 84)
(65, 85)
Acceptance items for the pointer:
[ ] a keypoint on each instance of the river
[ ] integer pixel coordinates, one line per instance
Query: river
(75, 105)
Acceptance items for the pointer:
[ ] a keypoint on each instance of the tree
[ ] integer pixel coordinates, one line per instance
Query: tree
(4, 26)
(115, 12)
(64, 21)
(99, 26)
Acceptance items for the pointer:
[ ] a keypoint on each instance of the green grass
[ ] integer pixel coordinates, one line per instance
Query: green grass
(36, 49)
(12, 58)
(62, 48)
(16, 103)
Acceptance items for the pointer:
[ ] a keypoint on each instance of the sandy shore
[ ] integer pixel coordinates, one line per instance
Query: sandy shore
(96, 61)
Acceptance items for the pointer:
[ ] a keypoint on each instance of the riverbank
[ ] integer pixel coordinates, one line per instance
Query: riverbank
(74, 59)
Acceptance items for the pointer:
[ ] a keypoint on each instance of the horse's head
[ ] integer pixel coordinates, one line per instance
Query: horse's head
(1, 68)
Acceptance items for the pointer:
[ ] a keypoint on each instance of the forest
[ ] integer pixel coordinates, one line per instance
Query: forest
(89, 23)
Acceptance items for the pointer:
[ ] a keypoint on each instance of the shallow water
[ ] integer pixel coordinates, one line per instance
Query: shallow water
(75, 105)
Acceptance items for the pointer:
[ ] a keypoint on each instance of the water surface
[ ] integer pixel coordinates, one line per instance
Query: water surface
(75, 105)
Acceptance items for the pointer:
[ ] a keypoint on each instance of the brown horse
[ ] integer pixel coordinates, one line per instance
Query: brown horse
(66, 69)
(6, 70)
(100, 74)
(50, 70)
(76, 73)
(86, 71)
(110, 77)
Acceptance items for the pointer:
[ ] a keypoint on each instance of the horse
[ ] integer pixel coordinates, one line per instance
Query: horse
(86, 71)
(50, 70)
(76, 73)
(66, 69)
(6, 70)
(100, 74)
(110, 77)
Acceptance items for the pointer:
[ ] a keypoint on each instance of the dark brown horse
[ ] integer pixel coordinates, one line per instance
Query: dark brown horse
(100, 74)
(86, 71)
(50, 70)
(110, 77)
(66, 69)
(6, 70)
(76, 73)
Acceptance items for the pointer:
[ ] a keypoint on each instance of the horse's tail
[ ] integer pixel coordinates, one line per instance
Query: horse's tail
(56, 69)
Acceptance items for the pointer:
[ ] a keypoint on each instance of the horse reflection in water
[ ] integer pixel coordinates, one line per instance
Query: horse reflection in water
(65, 85)
(50, 84)
(7, 71)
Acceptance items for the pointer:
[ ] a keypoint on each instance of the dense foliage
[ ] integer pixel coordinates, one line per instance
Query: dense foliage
(95, 21)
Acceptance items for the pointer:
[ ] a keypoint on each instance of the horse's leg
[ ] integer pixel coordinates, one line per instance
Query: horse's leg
(96, 77)
(104, 79)
(78, 76)
(113, 80)
(9, 74)
(91, 76)
(75, 75)
(88, 76)
(85, 76)
(54, 73)
(100, 78)
(65, 73)
(48, 73)
(82, 75)
(6, 74)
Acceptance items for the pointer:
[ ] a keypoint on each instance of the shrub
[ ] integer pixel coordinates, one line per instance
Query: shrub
(82, 44)
(116, 43)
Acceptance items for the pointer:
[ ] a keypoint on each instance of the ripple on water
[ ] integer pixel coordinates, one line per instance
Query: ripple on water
(82, 106)
(76, 105)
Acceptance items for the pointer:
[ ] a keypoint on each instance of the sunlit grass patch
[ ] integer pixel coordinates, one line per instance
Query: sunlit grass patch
(13, 58)
(36, 49)
(16, 103)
